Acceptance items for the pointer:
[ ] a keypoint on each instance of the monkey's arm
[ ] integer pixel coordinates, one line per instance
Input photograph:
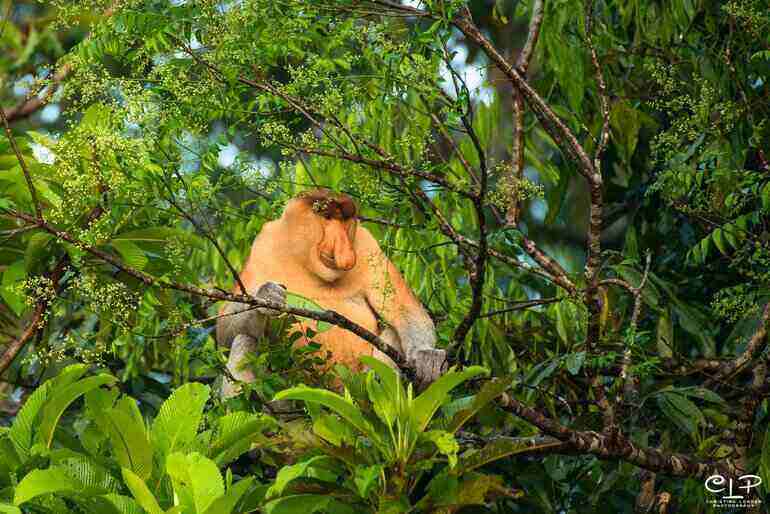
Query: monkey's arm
(239, 327)
(241, 318)
(391, 298)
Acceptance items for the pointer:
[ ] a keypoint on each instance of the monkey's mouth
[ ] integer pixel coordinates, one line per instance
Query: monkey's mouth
(328, 261)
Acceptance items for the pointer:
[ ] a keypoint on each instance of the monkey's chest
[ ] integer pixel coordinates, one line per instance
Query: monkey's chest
(344, 346)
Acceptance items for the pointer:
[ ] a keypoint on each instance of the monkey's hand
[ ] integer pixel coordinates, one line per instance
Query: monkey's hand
(273, 292)
(429, 364)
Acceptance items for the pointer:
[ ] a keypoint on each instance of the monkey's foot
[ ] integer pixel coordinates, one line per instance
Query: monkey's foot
(429, 365)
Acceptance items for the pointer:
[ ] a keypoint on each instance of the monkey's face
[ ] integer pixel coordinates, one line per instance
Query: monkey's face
(334, 255)
(329, 250)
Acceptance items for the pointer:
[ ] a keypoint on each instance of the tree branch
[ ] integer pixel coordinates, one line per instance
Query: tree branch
(328, 316)
(24, 168)
(620, 448)
(522, 63)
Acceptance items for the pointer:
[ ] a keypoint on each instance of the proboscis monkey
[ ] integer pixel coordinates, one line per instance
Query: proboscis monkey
(317, 249)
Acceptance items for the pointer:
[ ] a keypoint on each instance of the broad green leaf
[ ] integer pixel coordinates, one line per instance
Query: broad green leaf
(22, 429)
(9, 509)
(122, 504)
(226, 503)
(288, 473)
(684, 413)
(180, 415)
(446, 444)
(332, 429)
(12, 277)
(58, 402)
(388, 376)
(141, 492)
(199, 474)
(298, 504)
(132, 255)
(365, 478)
(344, 408)
(719, 241)
(574, 362)
(126, 431)
(235, 433)
(90, 477)
(43, 481)
(501, 448)
(489, 391)
(426, 405)
(665, 335)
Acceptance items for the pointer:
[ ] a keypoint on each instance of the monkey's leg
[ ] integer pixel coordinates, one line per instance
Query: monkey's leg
(242, 346)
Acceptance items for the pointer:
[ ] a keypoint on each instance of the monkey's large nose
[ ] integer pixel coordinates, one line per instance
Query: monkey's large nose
(345, 259)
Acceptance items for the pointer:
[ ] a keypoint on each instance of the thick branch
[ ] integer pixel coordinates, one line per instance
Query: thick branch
(533, 34)
(620, 448)
(32, 104)
(328, 316)
(13, 349)
(35, 324)
(754, 347)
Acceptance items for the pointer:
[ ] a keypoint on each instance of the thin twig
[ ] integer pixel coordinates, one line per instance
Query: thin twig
(24, 168)
(518, 306)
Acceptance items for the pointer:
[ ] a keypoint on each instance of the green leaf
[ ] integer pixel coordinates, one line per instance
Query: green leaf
(43, 481)
(574, 362)
(197, 473)
(178, 419)
(298, 504)
(332, 429)
(288, 473)
(225, 504)
(300, 302)
(388, 376)
(445, 443)
(665, 335)
(719, 241)
(91, 478)
(9, 509)
(22, 431)
(491, 390)
(60, 399)
(125, 429)
(426, 405)
(501, 448)
(122, 504)
(12, 276)
(132, 255)
(141, 492)
(684, 413)
(235, 433)
(365, 478)
(345, 408)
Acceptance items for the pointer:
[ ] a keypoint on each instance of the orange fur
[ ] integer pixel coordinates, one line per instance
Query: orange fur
(318, 250)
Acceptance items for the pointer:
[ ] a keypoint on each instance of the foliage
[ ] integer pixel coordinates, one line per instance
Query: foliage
(113, 459)
(157, 137)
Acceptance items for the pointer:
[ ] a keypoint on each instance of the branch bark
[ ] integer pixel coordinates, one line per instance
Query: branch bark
(328, 316)
(620, 448)
(522, 63)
